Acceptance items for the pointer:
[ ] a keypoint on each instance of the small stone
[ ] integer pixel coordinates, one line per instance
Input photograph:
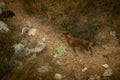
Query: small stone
(107, 72)
(84, 69)
(105, 65)
(58, 76)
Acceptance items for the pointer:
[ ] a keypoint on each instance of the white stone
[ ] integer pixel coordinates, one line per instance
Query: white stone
(107, 72)
(58, 76)
(3, 26)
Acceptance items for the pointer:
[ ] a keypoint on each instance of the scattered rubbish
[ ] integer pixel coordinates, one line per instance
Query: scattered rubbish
(3, 26)
(84, 69)
(107, 72)
(29, 31)
(42, 69)
(113, 33)
(58, 76)
(18, 48)
(60, 50)
(94, 77)
(105, 65)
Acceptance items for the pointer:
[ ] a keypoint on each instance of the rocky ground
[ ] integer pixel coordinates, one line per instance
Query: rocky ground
(45, 63)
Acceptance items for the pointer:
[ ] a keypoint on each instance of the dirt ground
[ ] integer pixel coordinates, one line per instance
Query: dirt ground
(106, 53)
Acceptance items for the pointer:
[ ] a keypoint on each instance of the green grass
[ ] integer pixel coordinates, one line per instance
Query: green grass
(61, 49)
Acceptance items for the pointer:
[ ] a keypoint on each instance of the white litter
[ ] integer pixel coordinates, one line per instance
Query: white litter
(107, 72)
(29, 31)
(3, 26)
(42, 69)
(84, 69)
(58, 76)
(105, 65)
(18, 48)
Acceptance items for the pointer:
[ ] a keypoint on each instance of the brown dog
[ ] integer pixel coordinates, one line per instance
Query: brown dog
(77, 42)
